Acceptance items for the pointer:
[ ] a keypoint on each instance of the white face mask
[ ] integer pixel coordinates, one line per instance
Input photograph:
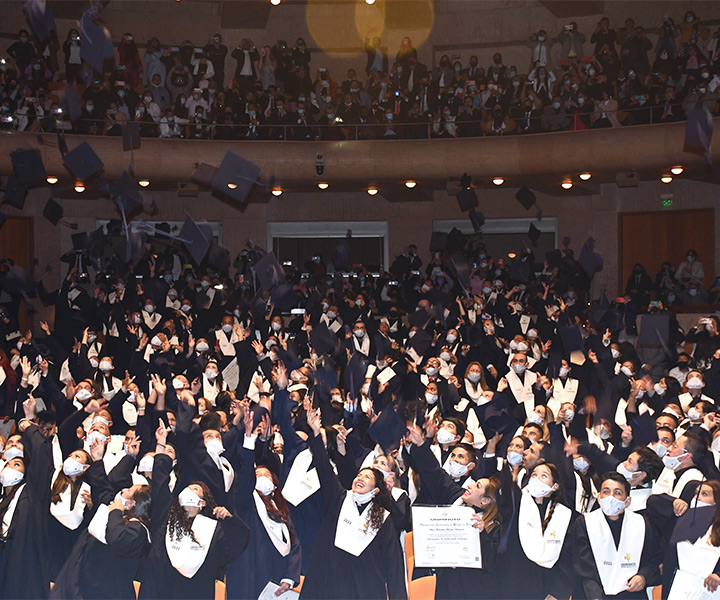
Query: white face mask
(611, 506)
(215, 446)
(514, 458)
(659, 449)
(694, 414)
(580, 465)
(537, 488)
(155, 341)
(564, 371)
(10, 476)
(604, 433)
(264, 485)
(331, 314)
(451, 338)
(615, 353)
(673, 462)
(227, 328)
(186, 308)
(361, 499)
(431, 371)
(695, 503)
(457, 470)
(82, 395)
(96, 436)
(522, 347)
(93, 362)
(535, 418)
(178, 384)
(518, 368)
(105, 366)
(126, 504)
(445, 437)
(149, 308)
(445, 356)
(202, 347)
(146, 464)
(626, 371)
(431, 398)
(359, 333)
(694, 383)
(189, 498)
(72, 467)
(659, 390)
(276, 326)
(13, 452)
(625, 472)
(211, 374)
(569, 415)
(474, 377)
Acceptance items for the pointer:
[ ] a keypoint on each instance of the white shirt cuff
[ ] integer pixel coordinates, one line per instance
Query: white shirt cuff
(249, 442)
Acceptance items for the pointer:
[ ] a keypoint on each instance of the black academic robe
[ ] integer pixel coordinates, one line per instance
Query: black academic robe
(61, 539)
(159, 578)
(97, 570)
(378, 572)
(261, 562)
(23, 562)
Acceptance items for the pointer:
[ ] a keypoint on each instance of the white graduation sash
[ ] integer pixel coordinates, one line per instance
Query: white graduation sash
(668, 483)
(210, 389)
(277, 532)
(699, 557)
(227, 346)
(531, 362)
(151, 320)
(565, 393)
(185, 555)
(639, 498)
(301, 483)
(475, 394)
(522, 390)
(225, 467)
(616, 565)
(70, 515)
(3, 375)
(98, 525)
(353, 533)
(543, 548)
(130, 413)
(10, 512)
(362, 346)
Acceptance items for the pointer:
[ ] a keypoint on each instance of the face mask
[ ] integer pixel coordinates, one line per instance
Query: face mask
(93, 362)
(72, 467)
(615, 353)
(474, 377)
(690, 258)
(457, 470)
(611, 506)
(359, 333)
(146, 464)
(96, 436)
(591, 72)
(519, 369)
(569, 415)
(541, 38)
(431, 398)
(695, 503)
(556, 105)
(626, 371)
(659, 390)
(564, 371)
(227, 328)
(13, 452)
(689, 19)
(486, 290)
(660, 449)
(522, 347)
(105, 366)
(535, 418)
(694, 414)
(604, 433)
(276, 326)
(580, 465)
(491, 329)
(264, 485)
(514, 458)
(445, 437)
(215, 446)
(451, 338)
(202, 347)
(82, 395)
(186, 308)
(381, 364)
(694, 383)
(155, 341)
(627, 474)
(211, 374)
(431, 371)
(10, 477)
(673, 462)
(301, 111)
(445, 356)
(189, 498)
(361, 499)
(178, 384)
(537, 488)
(365, 389)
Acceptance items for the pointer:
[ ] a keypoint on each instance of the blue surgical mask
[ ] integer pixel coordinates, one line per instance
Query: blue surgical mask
(556, 105)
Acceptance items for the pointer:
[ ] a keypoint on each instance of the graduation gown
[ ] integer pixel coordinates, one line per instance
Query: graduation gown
(377, 573)
(261, 562)
(97, 570)
(160, 579)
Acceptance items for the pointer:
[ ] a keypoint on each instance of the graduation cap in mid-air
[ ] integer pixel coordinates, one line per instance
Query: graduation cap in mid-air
(477, 219)
(269, 272)
(235, 177)
(525, 197)
(15, 192)
(53, 212)
(196, 241)
(71, 103)
(126, 194)
(283, 296)
(40, 17)
(589, 260)
(323, 340)
(467, 199)
(97, 45)
(28, 166)
(218, 257)
(534, 234)
(389, 428)
(83, 162)
(554, 258)
(438, 241)
(420, 342)
(132, 248)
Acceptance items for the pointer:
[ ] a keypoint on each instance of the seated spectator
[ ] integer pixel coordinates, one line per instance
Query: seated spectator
(554, 117)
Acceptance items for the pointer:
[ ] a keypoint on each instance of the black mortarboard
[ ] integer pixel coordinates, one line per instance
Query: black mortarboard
(533, 234)
(455, 239)
(590, 261)
(82, 161)
(355, 374)
(131, 249)
(420, 342)
(131, 136)
(70, 103)
(571, 340)
(419, 318)
(388, 429)
(269, 272)
(461, 267)
(467, 199)
(283, 296)
(654, 329)
(323, 340)
(28, 166)
(218, 257)
(692, 525)
(96, 242)
(554, 258)
(80, 240)
(439, 298)
(496, 418)
(127, 194)
(525, 197)
(53, 212)
(15, 192)
(97, 45)
(40, 17)
(237, 172)
(197, 244)
(477, 219)
(438, 241)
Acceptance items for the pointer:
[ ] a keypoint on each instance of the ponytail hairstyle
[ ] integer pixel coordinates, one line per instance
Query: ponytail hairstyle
(178, 523)
(556, 495)
(62, 481)
(277, 508)
(143, 506)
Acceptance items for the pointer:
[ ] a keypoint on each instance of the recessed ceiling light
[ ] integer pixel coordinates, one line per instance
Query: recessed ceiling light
(567, 184)
(369, 1)
(511, 255)
(79, 187)
(277, 191)
(323, 185)
(676, 170)
(666, 178)
(410, 183)
(585, 176)
(372, 191)
(498, 180)
(51, 180)
(275, 2)
(144, 182)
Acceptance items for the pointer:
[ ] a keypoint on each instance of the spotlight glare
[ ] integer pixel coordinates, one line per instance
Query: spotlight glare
(410, 183)
(567, 184)
(372, 191)
(144, 182)
(585, 176)
(666, 178)
(323, 185)
(277, 191)
(676, 170)
(232, 186)
(498, 180)
(51, 179)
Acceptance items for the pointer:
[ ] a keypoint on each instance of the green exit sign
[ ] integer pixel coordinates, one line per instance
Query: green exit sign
(667, 200)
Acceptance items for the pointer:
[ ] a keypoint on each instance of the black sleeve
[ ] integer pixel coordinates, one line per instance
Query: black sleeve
(440, 485)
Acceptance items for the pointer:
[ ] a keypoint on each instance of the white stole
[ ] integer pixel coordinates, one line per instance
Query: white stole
(353, 533)
(699, 557)
(151, 320)
(210, 389)
(542, 547)
(668, 483)
(565, 393)
(522, 390)
(187, 556)
(70, 515)
(10, 512)
(277, 532)
(362, 346)
(226, 346)
(616, 565)
(226, 469)
(301, 483)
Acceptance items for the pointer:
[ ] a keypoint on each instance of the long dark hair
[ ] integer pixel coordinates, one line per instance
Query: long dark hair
(277, 508)
(178, 523)
(380, 502)
(556, 495)
(5, 504)
(143, 506)
(62, 481)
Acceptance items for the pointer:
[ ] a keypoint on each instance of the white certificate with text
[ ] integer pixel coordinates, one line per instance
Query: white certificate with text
(444, 536)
